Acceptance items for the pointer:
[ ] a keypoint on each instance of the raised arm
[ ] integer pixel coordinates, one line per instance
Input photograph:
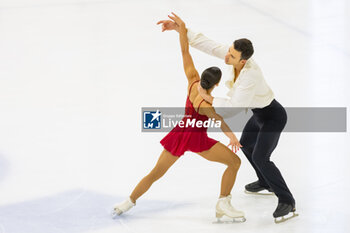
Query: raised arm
(208, 110)
(207, 45)
(188, 65)
(198, 40)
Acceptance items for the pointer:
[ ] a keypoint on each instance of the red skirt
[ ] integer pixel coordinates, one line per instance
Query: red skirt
(179, 140)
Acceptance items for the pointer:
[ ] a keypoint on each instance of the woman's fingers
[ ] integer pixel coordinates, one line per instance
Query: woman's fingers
(177, 17)
(165, 24)
(164, 21)
(177, 20)
(172, 17)
(236, 146)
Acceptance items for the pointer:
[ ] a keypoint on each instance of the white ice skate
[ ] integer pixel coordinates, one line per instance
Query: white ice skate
(224, 208)
(122, 207)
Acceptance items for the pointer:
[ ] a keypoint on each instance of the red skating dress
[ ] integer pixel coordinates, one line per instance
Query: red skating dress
(191, 138)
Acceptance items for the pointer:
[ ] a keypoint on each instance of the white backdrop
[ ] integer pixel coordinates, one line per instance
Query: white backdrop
(75, 74)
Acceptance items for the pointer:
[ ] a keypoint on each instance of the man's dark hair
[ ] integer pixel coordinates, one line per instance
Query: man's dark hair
(244, 46)
(210, 77)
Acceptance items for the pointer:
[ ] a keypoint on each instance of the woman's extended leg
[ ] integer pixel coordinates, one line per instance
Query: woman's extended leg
(222, 154)
(165, 161)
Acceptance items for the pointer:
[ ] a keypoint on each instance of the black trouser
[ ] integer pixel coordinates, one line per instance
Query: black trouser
(259, 138)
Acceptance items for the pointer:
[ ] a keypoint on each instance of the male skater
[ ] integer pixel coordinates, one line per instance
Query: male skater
(248, 89)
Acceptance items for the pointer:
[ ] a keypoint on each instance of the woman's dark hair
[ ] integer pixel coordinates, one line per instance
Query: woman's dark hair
(244, 46)
(210, 77)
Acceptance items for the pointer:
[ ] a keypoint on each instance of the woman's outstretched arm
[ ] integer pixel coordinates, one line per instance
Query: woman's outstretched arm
(188, 65)
(208, 110)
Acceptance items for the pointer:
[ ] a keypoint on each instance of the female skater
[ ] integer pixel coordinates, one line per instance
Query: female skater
(195, 139)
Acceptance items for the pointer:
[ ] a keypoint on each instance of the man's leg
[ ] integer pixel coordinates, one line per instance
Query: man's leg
(266, 142)
(248, 140)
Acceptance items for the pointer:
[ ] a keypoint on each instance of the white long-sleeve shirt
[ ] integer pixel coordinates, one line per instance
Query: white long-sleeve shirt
(250, 89)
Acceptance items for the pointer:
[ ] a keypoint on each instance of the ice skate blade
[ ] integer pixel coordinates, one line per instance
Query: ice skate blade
(115, 213)
(240, 219)
(259, 193)
(284, 218)
(234, 220)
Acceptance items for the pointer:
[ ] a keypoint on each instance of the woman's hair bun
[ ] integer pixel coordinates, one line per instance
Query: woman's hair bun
(210, 77)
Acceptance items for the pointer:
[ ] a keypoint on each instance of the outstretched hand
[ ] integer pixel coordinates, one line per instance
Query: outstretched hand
(235, 144)
(174, 24)
(168, 25)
